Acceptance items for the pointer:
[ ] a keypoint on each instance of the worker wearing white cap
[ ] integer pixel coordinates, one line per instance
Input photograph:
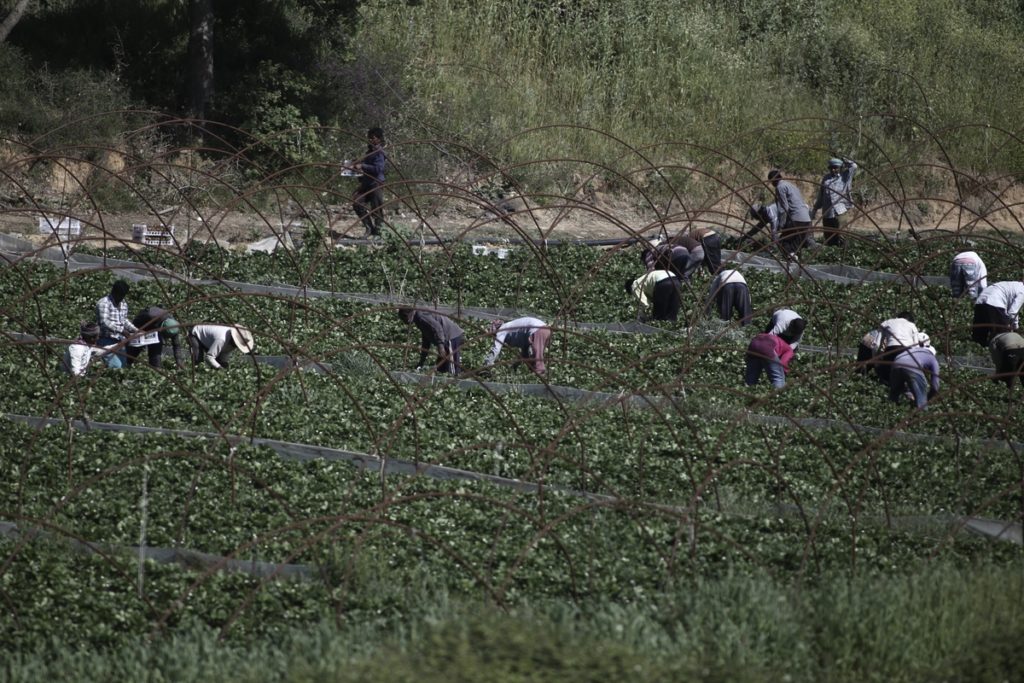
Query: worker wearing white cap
(834, 199)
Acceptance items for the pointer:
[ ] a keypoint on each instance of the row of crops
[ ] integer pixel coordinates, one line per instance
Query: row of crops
(688, 477)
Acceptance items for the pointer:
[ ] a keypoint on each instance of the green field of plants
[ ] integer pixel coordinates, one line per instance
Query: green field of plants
(644, 472)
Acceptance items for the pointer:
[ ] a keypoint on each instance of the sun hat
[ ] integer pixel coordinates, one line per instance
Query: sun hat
(242, 338)
(835, 163)
(171, 326)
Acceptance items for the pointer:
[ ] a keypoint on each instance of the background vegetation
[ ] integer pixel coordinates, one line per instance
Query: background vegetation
(667, 86)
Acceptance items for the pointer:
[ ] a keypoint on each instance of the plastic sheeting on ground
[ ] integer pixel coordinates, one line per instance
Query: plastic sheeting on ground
(190, 559)
(994, 529)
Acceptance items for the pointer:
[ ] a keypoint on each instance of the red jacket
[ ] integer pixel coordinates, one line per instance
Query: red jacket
(770, 347)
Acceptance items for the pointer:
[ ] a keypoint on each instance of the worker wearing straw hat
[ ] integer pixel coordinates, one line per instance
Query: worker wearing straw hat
(214, 343)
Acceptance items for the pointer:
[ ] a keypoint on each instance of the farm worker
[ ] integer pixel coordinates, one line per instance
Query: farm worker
(769, 354)
(711, 241)
(214, 343)
(868, 348)
(529, 335)
(657, 293)
(729, 293)
(112, 317)
(439, 331)
(156, 328)
(368, 198)
(996, 310)
(896, 336)
(680, 258)
(967, 275)
(834, 200)
(908, 374)
(1007, 351)
(80, 352)
(788, 323)
(794, 218)
(766, 215)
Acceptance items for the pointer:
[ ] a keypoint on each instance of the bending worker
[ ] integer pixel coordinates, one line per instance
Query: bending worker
(729, 293)
(996, 310)
(439, 331)
(156, 328)
(787, 323)
(80, 352)
(529, 335)
(657, 292)
(214, 343)
(967, 275)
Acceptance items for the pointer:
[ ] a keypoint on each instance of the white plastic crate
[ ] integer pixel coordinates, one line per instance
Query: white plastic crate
(62, 227)
(162, 236)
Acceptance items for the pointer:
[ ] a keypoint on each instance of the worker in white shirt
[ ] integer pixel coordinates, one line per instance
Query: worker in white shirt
(788, 324)
(214, 343)
(529, 335)
(996, 310)
(80, 352)
(967, 275)
(729, 294)
(896, 336)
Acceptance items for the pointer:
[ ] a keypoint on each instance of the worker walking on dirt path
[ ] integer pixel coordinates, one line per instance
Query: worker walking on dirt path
(794, 218)
(530, 335)
(657, 294)
(112, 318)
(967, 275)
(156, 328)
(368, 199)
(438, 331)
(996, 310)
(215, 343)
(834, 200)
(729, 294)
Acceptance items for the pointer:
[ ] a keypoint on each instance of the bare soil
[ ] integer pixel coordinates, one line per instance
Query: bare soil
(586, 218)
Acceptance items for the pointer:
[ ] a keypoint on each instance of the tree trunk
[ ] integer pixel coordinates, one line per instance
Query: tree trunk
(200, 57)
(13, 18)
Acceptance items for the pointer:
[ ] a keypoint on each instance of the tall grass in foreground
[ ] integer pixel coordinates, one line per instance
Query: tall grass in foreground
(693, 83)
(944, 623)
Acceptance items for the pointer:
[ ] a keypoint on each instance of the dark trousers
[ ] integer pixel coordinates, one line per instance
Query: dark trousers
(832, 229)
(794, 236)
(367, 202)
(449, 358)
(154, 351)
(734, 297)
(666, 299)
(988, 322)
(883, 362)
(712, 252)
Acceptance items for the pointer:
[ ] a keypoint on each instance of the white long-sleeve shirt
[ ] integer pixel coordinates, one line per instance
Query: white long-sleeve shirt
(1007, 295)
(213, 339)
(515, 333)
